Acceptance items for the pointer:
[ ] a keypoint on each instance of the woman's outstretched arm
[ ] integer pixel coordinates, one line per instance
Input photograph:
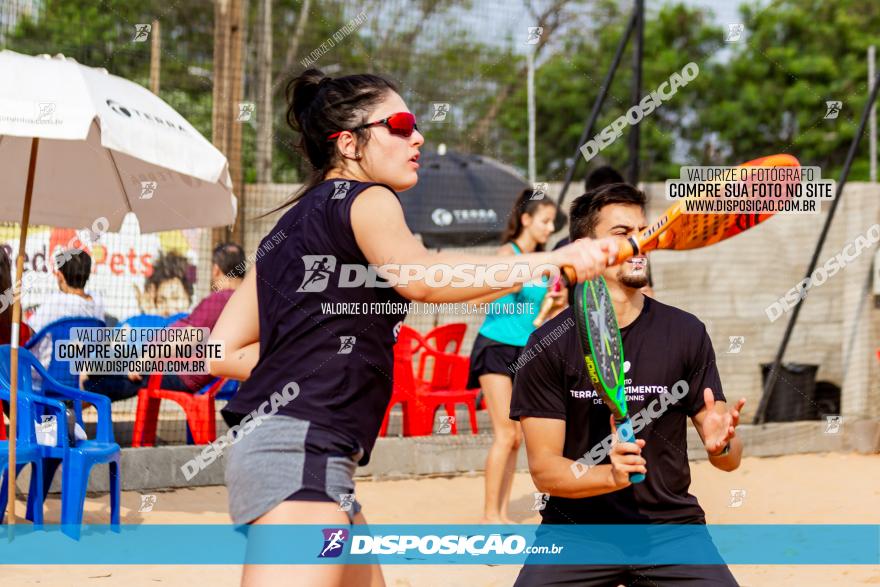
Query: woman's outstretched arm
(238, 328)
(382, 234)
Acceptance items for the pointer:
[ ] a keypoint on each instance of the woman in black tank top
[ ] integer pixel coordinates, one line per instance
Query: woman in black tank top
(317, 382)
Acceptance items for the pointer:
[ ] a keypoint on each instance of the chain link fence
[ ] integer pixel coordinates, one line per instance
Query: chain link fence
(461, 67)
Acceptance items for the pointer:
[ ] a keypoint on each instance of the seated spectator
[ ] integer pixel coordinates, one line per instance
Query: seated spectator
(6, 299)
(169, 288)
(227, 273)
(73, 269)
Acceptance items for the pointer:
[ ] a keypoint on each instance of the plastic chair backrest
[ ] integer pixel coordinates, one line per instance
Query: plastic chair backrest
(448, 371)
(144, 321)
(175, 317)
(228, 390)
(25, 378)
(28, 362)
(25, 389)
(439, 340)
(409, 341)
(442, 337)
(60, 330)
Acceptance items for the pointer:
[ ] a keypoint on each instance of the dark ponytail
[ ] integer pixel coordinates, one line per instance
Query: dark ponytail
(318, 106)
(6, 291)
(524, 205)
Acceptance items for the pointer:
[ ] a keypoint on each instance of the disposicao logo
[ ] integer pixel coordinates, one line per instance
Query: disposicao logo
(334, 542)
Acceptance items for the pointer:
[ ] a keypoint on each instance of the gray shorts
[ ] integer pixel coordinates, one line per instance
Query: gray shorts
(284, 459)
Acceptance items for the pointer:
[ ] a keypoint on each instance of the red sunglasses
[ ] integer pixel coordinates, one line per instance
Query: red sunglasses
(401, 124)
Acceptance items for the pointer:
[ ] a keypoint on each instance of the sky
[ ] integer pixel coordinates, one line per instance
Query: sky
(726, 11)
(513, 15)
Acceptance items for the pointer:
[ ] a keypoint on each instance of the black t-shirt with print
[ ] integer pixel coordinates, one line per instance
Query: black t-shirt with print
(662, 346)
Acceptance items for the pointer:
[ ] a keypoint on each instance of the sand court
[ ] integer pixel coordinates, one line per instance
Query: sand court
(830, 488)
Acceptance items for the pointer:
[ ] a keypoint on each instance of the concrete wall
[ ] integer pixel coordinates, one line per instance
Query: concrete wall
(729, 285)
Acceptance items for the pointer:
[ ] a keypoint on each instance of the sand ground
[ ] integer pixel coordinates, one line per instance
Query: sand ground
(797, 489)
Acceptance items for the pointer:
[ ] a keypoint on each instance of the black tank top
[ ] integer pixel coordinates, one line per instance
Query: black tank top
(335, 342)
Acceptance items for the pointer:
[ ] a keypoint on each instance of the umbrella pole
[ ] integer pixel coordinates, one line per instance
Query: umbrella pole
(16, 329)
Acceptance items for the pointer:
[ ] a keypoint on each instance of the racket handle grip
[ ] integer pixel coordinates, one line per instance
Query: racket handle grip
(568, 276)
(625, 434)
(626, 248)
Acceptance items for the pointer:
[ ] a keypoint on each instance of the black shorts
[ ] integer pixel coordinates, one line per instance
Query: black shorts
(656, 542)
(490, 356)
(629, 575)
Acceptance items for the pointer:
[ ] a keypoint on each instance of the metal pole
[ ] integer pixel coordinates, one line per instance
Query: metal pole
(635, 130)
(850, 156)
(530, 90)
(873, 121)
(597, 106)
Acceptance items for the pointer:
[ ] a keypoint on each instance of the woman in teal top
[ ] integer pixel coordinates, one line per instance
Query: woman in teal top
(509, 318)
(499, 343)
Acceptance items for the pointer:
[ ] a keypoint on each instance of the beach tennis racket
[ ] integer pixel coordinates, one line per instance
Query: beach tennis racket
(678, 231)
(603, 353)
(675, 230)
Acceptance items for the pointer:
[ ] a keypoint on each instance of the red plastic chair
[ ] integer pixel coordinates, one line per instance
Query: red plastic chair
(419, 399)
(199, 409)
(409, 341)
(442, 337)
(452, 371)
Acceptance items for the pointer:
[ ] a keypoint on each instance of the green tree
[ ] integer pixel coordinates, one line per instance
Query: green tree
(770, 96)
(100, 34)
(568, 82)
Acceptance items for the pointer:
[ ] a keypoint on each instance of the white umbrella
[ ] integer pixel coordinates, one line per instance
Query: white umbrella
(78, 144)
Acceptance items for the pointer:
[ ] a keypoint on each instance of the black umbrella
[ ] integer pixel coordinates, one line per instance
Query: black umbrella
(461, 199)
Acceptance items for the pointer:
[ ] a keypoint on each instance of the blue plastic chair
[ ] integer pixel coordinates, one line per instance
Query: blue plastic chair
(175, 317)
(151, 320)
(144, 321)
(60, 330)
(27, 451)
(76, 461)
(228, 391)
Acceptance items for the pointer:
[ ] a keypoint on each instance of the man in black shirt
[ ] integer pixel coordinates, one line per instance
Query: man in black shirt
(670, 373)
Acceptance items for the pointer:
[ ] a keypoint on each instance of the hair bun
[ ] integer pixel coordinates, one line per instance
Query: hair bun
(302, 91)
